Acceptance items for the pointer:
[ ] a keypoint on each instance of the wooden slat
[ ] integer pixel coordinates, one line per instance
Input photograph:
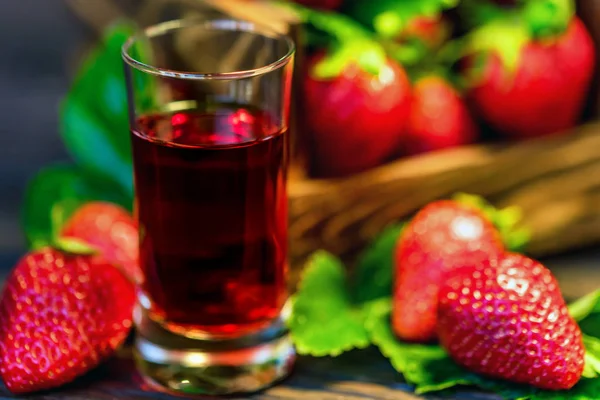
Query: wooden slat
(555, 180)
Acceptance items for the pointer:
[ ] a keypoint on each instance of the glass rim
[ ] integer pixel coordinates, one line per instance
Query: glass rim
(223, 24)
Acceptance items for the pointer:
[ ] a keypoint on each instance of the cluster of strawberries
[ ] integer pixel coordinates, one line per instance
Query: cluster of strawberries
(62, 312)
(507, 76)
(497, 313)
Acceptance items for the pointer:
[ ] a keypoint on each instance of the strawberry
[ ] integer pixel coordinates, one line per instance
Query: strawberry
(60, 316)
(356, 119)
(442, 236)
(527, 86)
(438, 117)
(111, 230)
(506, 319)
(355, 99)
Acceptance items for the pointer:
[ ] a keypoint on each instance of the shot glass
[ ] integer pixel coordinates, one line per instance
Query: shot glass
(209, 105)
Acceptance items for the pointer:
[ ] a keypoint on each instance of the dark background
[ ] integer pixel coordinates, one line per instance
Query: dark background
(40, 42)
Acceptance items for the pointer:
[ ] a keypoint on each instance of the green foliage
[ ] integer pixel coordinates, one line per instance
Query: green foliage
(323, 320)
(94, 121)
(55, 192)
(374, 272)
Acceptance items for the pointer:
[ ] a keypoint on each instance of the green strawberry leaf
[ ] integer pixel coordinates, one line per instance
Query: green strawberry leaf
(428, 367)
(592, 356)
(94, 120)
(54, 193)
(373, 276)
(585, 306)
(506, 220)
(349, 43)
(323, 320)
(548, 17)
(505, 37)
(586, 312)
(73, 246)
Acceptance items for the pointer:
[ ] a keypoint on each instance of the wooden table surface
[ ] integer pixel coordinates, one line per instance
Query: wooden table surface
(356, 375)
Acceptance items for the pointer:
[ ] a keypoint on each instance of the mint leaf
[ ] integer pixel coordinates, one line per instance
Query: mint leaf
(54, 193)
(323, 321)
(428, 367)
(375, 268)
(94, 120)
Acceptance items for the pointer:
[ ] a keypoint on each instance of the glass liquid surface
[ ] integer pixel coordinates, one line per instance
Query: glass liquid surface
(212, 207)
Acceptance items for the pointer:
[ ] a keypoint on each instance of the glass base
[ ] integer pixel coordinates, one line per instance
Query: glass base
(186, 367)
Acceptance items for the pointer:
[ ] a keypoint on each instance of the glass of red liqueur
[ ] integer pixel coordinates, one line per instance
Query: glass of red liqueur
(209, 108)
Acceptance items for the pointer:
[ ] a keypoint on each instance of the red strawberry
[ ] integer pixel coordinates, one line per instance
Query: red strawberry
(60, 316)
(438, 117)
(507, 319)
(538, 90)
(321, 4)
(442, 236)
(110, 229)
(357, 118)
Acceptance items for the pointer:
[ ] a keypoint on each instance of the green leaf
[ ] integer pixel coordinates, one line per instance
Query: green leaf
(375, 269)
(592, 356)
(586, 311)
(428, 367)
(585, 306)
(94, 120)
(548, 17)
(323, 321)
(73, 245)
(54, 193)
(505, 37)
(349, 43)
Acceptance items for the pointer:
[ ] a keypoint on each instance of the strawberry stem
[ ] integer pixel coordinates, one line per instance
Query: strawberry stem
(351, 43)
(547, 18)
